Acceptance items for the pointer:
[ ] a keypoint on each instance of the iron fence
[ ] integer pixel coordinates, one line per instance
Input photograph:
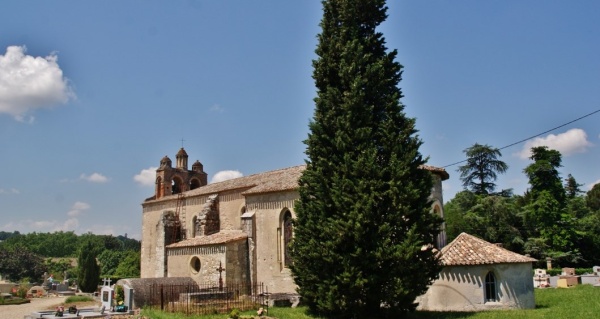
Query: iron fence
(206, 298)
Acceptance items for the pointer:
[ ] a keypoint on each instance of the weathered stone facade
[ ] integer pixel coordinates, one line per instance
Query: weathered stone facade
(462, 288)
(241, 225)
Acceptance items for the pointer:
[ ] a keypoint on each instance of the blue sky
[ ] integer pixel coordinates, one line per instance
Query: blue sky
(94, 94)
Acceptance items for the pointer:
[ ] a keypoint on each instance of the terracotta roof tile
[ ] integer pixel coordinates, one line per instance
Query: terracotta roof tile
(437, 170)
(273, 181)
(470, 250)
(221, 237)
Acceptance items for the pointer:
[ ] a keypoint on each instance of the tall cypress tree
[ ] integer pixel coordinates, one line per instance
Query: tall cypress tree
(364, 232)
(88, 274)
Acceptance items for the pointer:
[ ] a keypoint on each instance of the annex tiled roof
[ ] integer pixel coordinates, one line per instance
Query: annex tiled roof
(470, 250)
(221, 237)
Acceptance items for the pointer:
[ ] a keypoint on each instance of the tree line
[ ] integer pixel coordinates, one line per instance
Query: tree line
(554, 218)
(83, 258)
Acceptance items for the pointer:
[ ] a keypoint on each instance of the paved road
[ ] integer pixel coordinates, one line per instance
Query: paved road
(36, 304)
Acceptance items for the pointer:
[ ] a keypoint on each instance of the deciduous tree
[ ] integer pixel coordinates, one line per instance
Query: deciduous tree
(572, 188)
(592, 198)
(455, 212)
(18, 263)
(543, 174)
(129, 267)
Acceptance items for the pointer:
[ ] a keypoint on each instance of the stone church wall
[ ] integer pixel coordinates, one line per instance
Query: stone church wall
(232, 257)
(181, 265)
(236, 267)
(193, 206)
(461, 288)
(260, 258)
(230, 209)
(269, 209)
(436, 191)
(152, 254)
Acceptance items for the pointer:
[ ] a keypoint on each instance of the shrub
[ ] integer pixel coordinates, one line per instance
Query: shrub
(73, 299)
(119, 293)
(234, 314)
(22, 291)
(578, 271)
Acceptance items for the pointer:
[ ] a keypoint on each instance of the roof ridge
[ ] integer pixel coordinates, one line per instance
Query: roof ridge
(467, 249)
(257, 174)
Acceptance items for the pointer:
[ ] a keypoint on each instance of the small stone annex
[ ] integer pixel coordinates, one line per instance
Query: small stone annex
(235, 231)
(143, 287)
(478, 275)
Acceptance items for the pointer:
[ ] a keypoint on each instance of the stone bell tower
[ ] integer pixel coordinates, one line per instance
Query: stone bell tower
(174, 180)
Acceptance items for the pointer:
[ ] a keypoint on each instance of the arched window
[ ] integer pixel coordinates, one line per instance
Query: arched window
(194, 183)
(159, 188)
(288, 232)
(490, 287)
(176, 185)
(194, 227)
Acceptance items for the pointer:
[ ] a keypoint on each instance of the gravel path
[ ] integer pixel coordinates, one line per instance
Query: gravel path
(36, 304)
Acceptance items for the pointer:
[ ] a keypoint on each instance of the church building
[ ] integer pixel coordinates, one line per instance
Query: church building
(236, 230)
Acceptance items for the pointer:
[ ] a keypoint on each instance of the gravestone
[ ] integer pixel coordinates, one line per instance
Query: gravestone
(541, 279)
(567, 278)
(62, 287)
(128, 296)
(568, 271)
(107, 294)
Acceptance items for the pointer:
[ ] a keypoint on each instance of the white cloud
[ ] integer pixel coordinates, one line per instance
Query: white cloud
(102, 230)
(28, 225)
(568, 143)
(13, 191)
(225, 175)
(146, 177)
(591, 185)
(67, 225)
(28, 83)
(78, 208)
(94, 178)
(111, 229)
(42, 224)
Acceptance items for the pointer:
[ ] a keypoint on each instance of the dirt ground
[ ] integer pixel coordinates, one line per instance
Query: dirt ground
(37, 304)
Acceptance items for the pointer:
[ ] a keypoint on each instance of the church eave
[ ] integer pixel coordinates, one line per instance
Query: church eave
(219, 238)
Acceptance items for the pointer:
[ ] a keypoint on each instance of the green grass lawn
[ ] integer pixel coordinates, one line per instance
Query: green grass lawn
(578, 302)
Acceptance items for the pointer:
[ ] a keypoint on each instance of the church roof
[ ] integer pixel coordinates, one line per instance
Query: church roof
(272, 181)
(470, 250)
(221, 237)
(284, 179)
(181, 152)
